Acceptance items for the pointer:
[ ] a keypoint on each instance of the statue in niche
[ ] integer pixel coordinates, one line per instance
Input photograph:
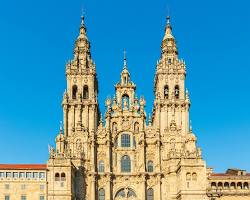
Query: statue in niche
(78, 145)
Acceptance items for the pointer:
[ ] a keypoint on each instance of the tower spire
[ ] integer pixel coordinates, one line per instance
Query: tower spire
(169, 44)
(82, 44)
(82, 29)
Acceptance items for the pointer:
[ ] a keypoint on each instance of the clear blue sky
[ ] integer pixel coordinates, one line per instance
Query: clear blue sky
(37, 37)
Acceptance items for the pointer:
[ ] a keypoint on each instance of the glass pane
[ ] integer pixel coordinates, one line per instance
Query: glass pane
(101, 195)
(125, 164)
(125, 140)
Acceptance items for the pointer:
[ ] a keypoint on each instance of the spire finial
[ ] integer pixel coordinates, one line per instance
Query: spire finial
(82, 17)
(124, 59)
(61, 126)
(168, 20)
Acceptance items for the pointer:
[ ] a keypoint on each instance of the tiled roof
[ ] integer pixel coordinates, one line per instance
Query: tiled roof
(23, 166)
(225, 174)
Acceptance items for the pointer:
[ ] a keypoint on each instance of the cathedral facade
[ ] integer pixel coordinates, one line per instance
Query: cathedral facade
(124, 155)
(120, 156)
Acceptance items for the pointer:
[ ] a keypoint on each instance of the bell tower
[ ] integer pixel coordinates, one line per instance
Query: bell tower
(171, 100)
(75, 153)
(179, 156)
(80, 106)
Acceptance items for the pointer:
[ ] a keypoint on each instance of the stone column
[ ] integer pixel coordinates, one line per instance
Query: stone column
(109, 193)
(93, 189)
(143, 187)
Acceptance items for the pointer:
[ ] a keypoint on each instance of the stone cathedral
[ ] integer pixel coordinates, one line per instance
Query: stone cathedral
(124, 155)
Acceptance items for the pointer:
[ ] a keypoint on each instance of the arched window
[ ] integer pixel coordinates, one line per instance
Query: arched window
(213, 185)
(150, 166)
(131, 193)
(74, 91)
(246, 186)
(85, 92)
(169, 61)
(226, 185)
(232, 185)
(177, 92)
(125, 164)
(194, 176)
(220, 185)
(166, 92)
(101, 194)
(239, 185)
(63, 176)
(188, 176)
(125, 80)
(150, 194)
(57, 177)
(101, 167)
(125, 140)
(121, 193)
(125, 101)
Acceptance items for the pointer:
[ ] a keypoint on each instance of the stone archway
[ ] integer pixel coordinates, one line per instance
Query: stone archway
(126, 194)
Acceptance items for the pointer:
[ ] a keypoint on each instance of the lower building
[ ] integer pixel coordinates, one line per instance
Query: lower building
(22, 182)
(125, 155)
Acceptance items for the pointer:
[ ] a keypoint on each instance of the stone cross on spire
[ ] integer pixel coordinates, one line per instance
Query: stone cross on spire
(124, 59)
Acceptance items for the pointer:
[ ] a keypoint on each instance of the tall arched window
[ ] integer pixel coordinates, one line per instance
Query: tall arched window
(57, 177)
(125, 101)
(150, 194)
(63, 176)
(74, 91)
(177, 91)
(125, 164)
(85, 92)
(101, 194)
(101, 167)
(125, 80)
(166, 92)
(150, 166)
(125, 140)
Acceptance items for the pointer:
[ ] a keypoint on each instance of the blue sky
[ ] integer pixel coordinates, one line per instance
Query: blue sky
(37, 37)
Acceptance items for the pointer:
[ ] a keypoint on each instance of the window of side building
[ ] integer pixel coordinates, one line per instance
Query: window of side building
(7, 197)
(35, 175)
(42, 197)
(21, 175)
(8, 175)
(42, 175)
(23, 197)
(15, 175)
(2, 175)
(28, 175)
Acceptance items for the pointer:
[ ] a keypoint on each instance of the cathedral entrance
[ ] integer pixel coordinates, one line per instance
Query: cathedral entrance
(126, 194)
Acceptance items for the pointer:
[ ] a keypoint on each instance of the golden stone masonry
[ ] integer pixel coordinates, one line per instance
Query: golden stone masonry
(120, 156)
